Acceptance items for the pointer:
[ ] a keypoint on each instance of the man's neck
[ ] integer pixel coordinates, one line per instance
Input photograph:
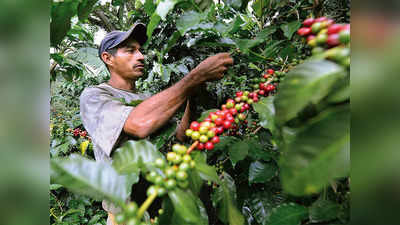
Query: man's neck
(118, 82)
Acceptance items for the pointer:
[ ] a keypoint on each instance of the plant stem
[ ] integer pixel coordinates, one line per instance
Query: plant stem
(146, 204)
(260, 56)
(191, 148)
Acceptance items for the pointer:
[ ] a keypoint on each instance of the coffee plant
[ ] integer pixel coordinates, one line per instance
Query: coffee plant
(268, 144)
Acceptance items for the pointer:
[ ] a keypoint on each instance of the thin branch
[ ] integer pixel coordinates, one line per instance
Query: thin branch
(107, 23)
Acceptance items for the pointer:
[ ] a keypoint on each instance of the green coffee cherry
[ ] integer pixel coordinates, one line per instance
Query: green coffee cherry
(177, 160)
(203, 130)
(203, 138)
(161, 191)
(195, 135)
(316, 27)
(171, 156)
(159, 163)
(131, 209)
(344, 36)
(187, 158)
(184, 166)
(151, 176)
(210, 134)
(133, 221)
(189, 132)
(170, 172)
(120, 218)
(321, 39)
(181, 176)
(151, 190)
(182, 149)
(159, 180)
(183, 184)
(170, 184)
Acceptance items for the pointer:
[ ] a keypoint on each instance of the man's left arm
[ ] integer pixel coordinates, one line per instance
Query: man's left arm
(184, 124)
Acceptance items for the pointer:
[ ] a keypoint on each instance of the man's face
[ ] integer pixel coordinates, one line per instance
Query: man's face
(128, 61)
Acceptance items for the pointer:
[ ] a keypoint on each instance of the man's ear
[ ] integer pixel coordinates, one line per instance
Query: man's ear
(107, 58)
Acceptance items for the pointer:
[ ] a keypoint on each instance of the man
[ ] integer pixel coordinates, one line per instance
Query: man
(109, 122)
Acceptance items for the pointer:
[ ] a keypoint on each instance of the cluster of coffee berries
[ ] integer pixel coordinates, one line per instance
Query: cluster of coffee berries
(128, 216)
(231, 114)
(78, 132)
(206, 132)
(264, 86)
(172, 173)
(323, 33)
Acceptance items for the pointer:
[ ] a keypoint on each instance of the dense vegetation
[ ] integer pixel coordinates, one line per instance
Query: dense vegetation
(286, 163)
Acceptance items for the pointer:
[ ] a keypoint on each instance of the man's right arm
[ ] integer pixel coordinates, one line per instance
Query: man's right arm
(154, 112)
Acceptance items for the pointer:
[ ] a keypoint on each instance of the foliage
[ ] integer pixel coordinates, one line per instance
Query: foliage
(289, 165)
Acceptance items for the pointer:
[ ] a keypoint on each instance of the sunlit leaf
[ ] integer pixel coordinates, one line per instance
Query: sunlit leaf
(98, 180)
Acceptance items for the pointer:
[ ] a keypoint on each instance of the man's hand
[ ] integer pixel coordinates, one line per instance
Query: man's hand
(212, 68)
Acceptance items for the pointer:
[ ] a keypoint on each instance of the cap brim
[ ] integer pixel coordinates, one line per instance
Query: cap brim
(137, 32)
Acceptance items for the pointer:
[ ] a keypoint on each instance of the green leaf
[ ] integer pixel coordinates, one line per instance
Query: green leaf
(236, 4)
(225, 143)
(235, 25)
(55, 186)
(189, 20)
(171, 217)
(261, 172)
(149, 7)
(61, 14)
(204, 4)
(164, 7)
(340, 92)
(272, 48)
(261, 204)
(154, 21)
(308, 83)
(117, 2)
(258, 7)
(195, 181)
(266, 32)
(289, 28)
(319, 153)
(84, 9)
(266, 112)
(238, 151)
(256, 150)
(288, 51)
(134, 156)
(165, 73)
(205, 171)
(95, 179)
(205, 114)
(185, 206)
(323, 210)
(252, 66)
(224, 199)
(171, 42)
(134, 102)
(288, 214)
(246, 44)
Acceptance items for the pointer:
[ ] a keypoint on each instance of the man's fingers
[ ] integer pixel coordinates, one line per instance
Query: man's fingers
(224, 54)
(228, 61)
(223, 69)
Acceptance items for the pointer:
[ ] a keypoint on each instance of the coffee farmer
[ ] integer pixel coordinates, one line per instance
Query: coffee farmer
(110, 123)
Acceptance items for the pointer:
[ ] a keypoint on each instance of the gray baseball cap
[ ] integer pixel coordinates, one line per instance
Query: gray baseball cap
(114, 38)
